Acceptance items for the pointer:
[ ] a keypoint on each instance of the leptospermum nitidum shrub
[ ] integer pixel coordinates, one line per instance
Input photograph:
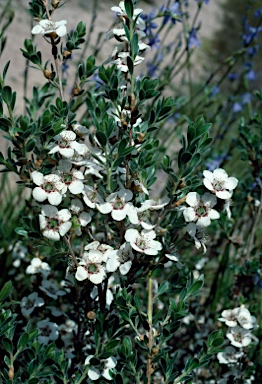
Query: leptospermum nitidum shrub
(110, 296)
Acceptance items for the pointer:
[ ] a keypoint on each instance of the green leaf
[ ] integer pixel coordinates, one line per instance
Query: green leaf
(134, 45)
(122, 146)
(185, 157)
(7, 94)
(113, 94)
(30, 145)
(130, 64)
(183, 294)
(23, 340)
(217, 342)
(164, 287)
(6, 290)
(21, 231)
(101, 137)
(195, 287)
(203, 129)
(6, 69)
(129, 9)
(8, 345)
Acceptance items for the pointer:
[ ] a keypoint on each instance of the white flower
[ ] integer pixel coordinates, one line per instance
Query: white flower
(67, 145)
(72, 178)
(102, 369)
(121, 14)
(239, 337)
(154, 204)
(229, 356)
(121, 258)
(52, 28)
(80, 130)
(219, 183)
(91, 267)
(54, 223)
(29, 303)
(79, 218)
(118, 204)
(91, 197)
(48, 331)
(144, 242)
(238, 316)
(245, 319)
(229, 316)
(18, 253)
(198, 234)
(37, 265)
(51, 289)
(121, 11)
(50, 187)
(120, 60)
(200, 209)
(174, 258)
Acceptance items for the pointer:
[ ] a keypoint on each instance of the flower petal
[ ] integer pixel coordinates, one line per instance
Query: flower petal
(54, 198)
(192, 199)
(81, 273)
(39, 194)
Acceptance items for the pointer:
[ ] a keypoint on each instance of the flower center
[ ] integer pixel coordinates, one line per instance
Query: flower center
(118, 203)
(218, 185)
(201, 211)
(50, 25)
(64, 144)
(49, 187)
(238, 337)
(68, 178)
(53, 224)
(141, 243)
(92, 268)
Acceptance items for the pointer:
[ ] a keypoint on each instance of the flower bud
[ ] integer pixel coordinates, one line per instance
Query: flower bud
(55, 3)
(91, 315)
(67, 54)
(11, 373)
(141, 137)
(47, 74)
(77, 91)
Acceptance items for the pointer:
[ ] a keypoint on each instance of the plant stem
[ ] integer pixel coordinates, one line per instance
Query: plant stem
(72, 253)
(150, 323)
(83, 375)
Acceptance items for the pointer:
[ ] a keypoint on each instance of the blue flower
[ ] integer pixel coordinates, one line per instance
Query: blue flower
(150, 25)
(251, 51)
(251, 33)
(251, 75)
(232, 76)
(246, 98)
(154, 41)
(204, 1)
(237, 107)
(258, 12)
(172, 13)
(214, 91)
(193, 40)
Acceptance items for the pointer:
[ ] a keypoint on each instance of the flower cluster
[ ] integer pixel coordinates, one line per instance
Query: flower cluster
(122, 53)
(201, 208)
(240, 323)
